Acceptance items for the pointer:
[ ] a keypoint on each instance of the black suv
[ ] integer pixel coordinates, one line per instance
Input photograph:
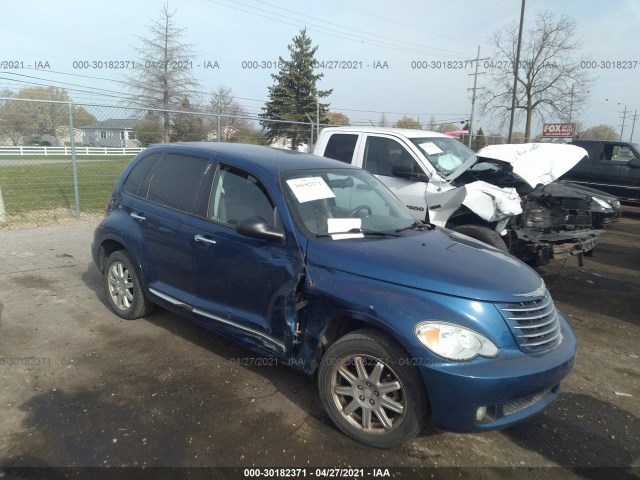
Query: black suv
(613, 167)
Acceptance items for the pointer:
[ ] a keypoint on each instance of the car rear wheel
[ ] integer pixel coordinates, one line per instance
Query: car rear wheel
(124, 288)
(371, 390)
(484, 234)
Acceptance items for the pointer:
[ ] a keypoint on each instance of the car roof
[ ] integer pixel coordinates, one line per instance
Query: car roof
(407, 132)
(273, 160)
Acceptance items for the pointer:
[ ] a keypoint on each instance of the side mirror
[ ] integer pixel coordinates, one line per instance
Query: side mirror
(634, 163)
(256, 227)
(405, 170)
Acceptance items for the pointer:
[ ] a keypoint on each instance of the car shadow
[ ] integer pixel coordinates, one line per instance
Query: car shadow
(295, 386)
(620, 256)
(219, 345)
(577, 431)
(594, 438)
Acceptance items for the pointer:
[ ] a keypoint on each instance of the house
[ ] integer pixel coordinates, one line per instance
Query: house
(115, 132)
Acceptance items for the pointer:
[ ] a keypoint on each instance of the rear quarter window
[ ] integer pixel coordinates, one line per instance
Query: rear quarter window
(136, 181)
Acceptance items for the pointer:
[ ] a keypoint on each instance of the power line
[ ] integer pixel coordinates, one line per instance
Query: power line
(328, 31)
(124, 97)
(351, 29)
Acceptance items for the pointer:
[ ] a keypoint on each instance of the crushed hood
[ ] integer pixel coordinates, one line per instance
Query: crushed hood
(536, 163)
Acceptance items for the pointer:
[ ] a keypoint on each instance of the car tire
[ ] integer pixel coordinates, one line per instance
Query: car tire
(371, 390)
(123, 286)
(484, 234)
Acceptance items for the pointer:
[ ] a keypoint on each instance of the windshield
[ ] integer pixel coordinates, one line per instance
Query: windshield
(445, 154)
(327, 202)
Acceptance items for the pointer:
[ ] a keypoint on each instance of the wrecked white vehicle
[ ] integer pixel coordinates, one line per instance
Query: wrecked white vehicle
(503, 196)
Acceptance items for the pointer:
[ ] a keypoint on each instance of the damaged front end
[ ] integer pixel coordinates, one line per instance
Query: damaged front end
(556, 220)
(556, 223)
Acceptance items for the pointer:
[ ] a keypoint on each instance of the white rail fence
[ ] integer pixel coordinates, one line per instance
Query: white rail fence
(50, 151)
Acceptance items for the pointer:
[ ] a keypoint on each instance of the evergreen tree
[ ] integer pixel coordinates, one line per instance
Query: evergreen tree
(294, 94)
(478, 140)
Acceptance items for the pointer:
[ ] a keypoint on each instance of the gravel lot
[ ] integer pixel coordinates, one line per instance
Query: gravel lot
(83, 388)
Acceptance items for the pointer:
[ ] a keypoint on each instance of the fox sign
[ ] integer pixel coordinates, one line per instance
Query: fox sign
(558, 130)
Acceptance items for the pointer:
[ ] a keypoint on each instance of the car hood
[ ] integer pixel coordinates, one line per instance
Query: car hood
(438, 260)
(536, 163)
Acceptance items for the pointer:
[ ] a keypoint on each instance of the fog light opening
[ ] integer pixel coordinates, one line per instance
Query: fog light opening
(485, 414)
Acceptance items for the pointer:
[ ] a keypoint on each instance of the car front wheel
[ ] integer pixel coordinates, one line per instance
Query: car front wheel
(371, 391)
(484, 234)
(124, 288)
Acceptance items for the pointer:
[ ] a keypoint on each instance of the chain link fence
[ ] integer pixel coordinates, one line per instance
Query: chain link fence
(60, 160)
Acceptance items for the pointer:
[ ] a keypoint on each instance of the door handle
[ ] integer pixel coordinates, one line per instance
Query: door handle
(136, 216)
(200, 239)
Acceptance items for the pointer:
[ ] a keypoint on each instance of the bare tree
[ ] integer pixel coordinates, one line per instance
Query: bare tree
(188, 126)
(337, 118)
(551, 84)
(24, 122)
(225, 106)
(599, 132)
(164, 76)
(408, 122)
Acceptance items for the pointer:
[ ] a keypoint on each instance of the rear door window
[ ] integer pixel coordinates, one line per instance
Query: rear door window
(341, 147)
(179, 181)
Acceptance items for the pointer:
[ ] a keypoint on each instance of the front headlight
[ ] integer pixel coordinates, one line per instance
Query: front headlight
(602, 203)
(454, 342)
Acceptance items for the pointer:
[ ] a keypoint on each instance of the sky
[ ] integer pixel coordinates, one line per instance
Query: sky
(385, 43)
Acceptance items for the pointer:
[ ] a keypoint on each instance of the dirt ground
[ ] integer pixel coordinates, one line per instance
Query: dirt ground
(82, 388)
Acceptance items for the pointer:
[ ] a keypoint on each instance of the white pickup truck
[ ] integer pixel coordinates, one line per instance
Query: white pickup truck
(503, 196)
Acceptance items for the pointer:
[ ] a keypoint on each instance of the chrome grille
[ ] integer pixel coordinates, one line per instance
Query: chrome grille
(518, 405)
(534, 323)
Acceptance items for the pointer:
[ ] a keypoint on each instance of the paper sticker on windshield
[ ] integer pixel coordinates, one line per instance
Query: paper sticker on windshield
(338, 228)
(430, 148)
(310, 188)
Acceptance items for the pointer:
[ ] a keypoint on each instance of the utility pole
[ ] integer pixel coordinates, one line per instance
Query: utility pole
(624, 118)
(515, 73)
(473, 95)
(571, 104)
(633, 125)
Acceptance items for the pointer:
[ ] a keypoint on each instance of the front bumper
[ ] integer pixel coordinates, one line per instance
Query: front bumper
(603, 217)
(556, 245)
(511, 387)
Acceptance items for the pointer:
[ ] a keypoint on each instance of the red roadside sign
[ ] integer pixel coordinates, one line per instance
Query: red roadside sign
(558, 129)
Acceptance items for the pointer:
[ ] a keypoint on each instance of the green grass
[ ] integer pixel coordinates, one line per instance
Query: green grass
(28, 188)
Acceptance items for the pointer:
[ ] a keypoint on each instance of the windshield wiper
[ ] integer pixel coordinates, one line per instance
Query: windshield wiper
(418, 226)
(358, 230)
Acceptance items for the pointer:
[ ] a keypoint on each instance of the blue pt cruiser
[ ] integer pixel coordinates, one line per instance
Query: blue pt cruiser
(315, 262)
